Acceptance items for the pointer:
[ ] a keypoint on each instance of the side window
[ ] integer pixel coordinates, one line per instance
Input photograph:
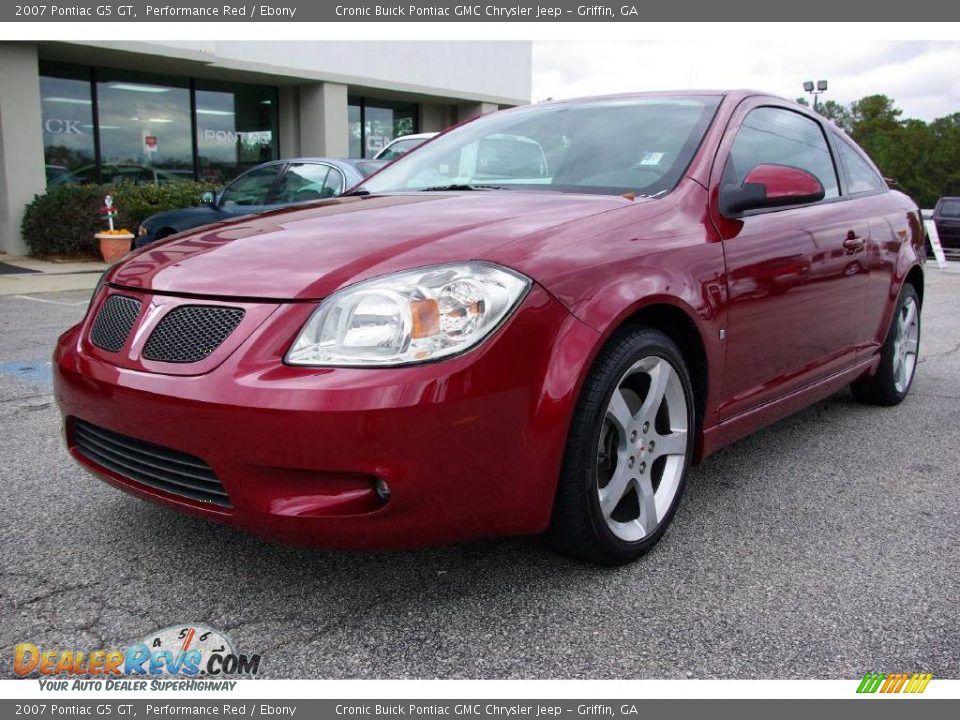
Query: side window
(775, 136)
(861, 176)
(304, 182)
(334, 184)
(252, 188)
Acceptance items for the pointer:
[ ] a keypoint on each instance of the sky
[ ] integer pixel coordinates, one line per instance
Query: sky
(922, 77)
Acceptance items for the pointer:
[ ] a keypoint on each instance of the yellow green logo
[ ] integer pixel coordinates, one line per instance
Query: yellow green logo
(894, 682)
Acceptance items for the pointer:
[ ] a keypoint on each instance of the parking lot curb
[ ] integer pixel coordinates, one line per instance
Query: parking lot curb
(27, 276)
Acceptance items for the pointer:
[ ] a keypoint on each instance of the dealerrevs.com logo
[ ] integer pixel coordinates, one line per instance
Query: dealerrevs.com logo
(180, 657)
(887, 683)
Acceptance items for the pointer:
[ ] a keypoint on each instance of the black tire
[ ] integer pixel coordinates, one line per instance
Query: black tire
(577, 526)
(881, 389)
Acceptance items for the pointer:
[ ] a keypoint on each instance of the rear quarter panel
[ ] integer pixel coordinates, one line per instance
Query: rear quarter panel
(897, 246)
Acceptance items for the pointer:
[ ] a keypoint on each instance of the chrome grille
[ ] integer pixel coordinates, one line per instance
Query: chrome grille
(154, 465)
(114, 322)
(189, 333)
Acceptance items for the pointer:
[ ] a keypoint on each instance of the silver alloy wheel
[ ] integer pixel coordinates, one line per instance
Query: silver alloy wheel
(642, 452)
(906, 345)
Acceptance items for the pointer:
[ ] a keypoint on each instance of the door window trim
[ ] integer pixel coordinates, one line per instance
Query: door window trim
(343, 179)
(747, 106)
(330, 169)
(835, 139)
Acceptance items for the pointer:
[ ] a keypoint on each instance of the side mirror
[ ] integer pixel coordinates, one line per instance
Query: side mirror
(208, 198)
(770, 186)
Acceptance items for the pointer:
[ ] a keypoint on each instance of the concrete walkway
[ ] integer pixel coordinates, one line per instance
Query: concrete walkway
(38, 276)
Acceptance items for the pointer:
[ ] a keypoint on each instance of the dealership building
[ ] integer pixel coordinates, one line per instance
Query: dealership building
(87, 112)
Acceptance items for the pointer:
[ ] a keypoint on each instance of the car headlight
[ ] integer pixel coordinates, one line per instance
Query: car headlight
(142, 231)
(409, 317)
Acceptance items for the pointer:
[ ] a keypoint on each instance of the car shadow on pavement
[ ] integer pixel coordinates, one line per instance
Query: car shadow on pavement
(751, 536)
(177, 539)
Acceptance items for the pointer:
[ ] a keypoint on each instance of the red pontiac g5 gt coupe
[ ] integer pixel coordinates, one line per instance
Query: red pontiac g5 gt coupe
(536, 321)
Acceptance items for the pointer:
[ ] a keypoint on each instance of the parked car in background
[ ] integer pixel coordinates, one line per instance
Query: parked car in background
(55, 171)
(114, 174)
(478, 341)
(946, 216)
(265, 187)
(402, 145)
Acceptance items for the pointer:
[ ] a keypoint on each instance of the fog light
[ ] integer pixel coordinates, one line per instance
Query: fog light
(382, 489)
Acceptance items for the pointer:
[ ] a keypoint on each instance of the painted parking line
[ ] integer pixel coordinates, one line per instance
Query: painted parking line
(52, 302)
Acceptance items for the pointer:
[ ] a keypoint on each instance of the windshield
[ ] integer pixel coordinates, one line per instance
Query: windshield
(640, 145)
(950, 208)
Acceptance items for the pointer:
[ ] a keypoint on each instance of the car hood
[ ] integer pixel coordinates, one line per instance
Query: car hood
(308, 252)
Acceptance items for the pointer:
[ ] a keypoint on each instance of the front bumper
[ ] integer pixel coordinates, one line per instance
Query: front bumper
(469, 446)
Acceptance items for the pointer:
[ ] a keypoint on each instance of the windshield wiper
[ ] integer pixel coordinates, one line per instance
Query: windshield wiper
(461, 186)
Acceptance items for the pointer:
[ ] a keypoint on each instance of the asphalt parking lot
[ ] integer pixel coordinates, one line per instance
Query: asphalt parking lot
(823, 547)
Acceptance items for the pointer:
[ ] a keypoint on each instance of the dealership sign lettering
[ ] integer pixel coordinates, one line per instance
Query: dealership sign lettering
(56, 126)
(233, 136)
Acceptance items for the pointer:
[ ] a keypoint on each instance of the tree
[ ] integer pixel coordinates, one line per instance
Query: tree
(831, 110)
(923, 158)
(837, 113)
(874, 114)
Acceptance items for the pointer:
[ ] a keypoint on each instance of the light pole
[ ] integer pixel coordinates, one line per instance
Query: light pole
(815, 90)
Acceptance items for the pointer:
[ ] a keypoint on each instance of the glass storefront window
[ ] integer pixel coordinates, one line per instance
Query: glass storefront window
(236, 128)
(374, 123)
(144, 127)
(110, 125)
(355, 128)
(67, 115)
(387, 121)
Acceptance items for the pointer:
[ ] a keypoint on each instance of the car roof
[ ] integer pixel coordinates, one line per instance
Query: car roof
(733, 94)
(348, 164)
(309, 159)
(414, 136)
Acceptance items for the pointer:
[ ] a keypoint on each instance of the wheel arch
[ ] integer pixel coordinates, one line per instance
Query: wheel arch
(681, 328)
(679, 322)
(915, 278)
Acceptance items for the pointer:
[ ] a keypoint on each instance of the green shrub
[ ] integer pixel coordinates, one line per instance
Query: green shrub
(64, 220)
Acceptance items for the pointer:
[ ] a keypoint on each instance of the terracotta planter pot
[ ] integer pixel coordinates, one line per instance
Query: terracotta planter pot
(114, 247)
